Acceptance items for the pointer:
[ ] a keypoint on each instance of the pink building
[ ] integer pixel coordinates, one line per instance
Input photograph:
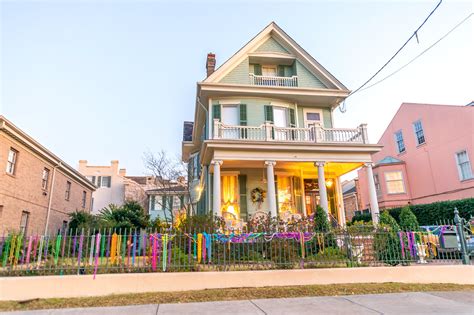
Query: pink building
(426, 156)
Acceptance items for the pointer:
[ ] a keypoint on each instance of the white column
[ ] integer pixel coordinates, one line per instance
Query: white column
(271, 188)
(303, 197)
(374, 204)
(323, 195)
(340, 198)
(216, 202)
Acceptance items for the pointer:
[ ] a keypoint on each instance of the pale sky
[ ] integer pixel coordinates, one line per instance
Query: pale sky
(103, 80)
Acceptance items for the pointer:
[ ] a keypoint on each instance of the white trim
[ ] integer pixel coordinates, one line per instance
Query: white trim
(280, 104)
(229, 101)
(312, 110)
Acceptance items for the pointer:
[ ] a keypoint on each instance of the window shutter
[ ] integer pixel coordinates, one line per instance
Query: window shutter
(276, 194)
(281, 71)
(152, 203)
(243, 120)
(243, 197)
(291, 113)
(181, 202)
(163, 203)
(211, 189)
(269, 113)
(216, 111)
(109, 182)
(257, 69)
(171, 202)
(99, 181)
(93, 180)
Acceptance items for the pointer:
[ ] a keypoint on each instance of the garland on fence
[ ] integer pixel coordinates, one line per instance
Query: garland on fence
(154, 248)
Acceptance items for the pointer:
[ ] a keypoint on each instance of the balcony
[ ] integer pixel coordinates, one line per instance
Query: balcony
(312, 134)
(273, 80)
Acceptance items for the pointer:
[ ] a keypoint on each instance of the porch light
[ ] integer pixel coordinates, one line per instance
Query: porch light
(329, 183)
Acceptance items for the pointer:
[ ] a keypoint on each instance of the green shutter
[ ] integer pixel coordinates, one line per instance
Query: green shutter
(257, 69)
(243, 197)
(163, 203)
(216, 111)
(298, 193)
(276, 194)
(268, 113)
(152, 203)
(181, 202)
(291, 113)
(211, 189)
(243, 120)
(281, 71)
(171, 202)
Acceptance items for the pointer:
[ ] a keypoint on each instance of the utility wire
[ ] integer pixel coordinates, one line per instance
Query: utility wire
(415, 34)
(419, 55)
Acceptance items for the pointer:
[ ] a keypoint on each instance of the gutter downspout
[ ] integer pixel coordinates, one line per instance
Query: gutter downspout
(50, 199)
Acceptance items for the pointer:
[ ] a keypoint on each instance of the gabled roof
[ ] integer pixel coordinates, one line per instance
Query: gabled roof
(274, 31)
(389, 160)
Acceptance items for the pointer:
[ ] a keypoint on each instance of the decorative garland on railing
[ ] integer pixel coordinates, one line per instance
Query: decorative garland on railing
(151, 250)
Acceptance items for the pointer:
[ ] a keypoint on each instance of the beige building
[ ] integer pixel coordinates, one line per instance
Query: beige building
(114, 187)
(38, 190)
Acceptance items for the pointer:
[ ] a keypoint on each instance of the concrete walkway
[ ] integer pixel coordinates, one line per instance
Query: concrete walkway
(396, 303)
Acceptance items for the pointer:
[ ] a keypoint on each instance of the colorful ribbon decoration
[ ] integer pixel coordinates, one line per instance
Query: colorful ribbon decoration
(97, 243)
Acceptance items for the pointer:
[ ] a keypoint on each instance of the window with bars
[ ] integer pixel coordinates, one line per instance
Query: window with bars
(419, 134)
(68, 190)
(84, 198)
(11, 161)
(45, 179)
(464, 165)
(25, 215)
(394, 181)
(400, 142)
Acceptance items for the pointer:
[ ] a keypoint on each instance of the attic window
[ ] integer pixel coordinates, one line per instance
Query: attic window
(269, 71)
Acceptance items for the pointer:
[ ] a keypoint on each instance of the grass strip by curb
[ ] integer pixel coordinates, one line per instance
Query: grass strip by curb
(229, 295)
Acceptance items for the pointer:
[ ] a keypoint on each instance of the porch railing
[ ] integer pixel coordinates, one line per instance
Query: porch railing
(269, 132)
(273, 80)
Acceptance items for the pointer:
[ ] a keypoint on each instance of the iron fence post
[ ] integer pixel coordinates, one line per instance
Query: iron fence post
(462, 237)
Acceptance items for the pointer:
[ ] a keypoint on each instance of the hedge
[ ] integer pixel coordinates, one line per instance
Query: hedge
(437, 212)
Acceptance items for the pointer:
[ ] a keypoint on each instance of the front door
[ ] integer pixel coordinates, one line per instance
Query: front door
(311, 193)
(280, 120)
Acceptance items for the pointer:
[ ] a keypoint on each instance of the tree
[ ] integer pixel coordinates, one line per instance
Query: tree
(82, 219)
(321, 223)
(388, 220)
(129, 215)
(408, 220)
(172, 174)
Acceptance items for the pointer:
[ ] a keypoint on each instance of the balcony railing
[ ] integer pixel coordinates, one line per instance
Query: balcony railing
(312, 134)
(273, 80)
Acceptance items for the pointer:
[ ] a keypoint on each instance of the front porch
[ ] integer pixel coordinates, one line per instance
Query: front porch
(244, 189)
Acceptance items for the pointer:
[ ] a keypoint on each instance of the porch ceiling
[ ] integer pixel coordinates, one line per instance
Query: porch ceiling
(332, 169)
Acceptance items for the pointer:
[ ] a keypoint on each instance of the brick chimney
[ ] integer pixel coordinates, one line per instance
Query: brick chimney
(122, 172)
(210, 63)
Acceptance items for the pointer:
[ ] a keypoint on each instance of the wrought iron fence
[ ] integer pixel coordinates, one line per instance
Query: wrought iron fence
(127, 251)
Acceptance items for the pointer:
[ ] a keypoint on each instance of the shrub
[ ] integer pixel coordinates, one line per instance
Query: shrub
(387, 220)
(321, 223)
(365, 217)
(82, 220)
(433, 213)
(408, 220)
(329, 254)
(283, 252)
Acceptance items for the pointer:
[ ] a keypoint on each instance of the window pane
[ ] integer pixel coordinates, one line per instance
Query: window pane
(395, 187)
(393, 175)
(313, 116)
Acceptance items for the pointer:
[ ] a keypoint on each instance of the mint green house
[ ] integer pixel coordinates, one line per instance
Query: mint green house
(263, 138)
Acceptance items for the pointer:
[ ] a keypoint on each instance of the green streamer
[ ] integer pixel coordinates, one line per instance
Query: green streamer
(102, 248)
(19, 242)
(124, 246)
(6, 251)
(58, 247)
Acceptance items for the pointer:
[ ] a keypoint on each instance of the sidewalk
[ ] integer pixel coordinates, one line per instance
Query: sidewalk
(395, 303)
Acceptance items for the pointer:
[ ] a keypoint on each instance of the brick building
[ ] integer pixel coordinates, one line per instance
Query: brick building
(38, 190)
(351, 198)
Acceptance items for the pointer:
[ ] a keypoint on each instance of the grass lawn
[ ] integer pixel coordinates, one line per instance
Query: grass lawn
(229, 294)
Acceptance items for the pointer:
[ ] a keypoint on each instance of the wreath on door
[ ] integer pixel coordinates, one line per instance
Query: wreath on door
(258, 195)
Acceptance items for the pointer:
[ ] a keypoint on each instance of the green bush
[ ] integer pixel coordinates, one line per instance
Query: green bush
(329, 254)
(321, 223)
(435, 213)
(408, 221)
(388, 220)
(365, 217)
